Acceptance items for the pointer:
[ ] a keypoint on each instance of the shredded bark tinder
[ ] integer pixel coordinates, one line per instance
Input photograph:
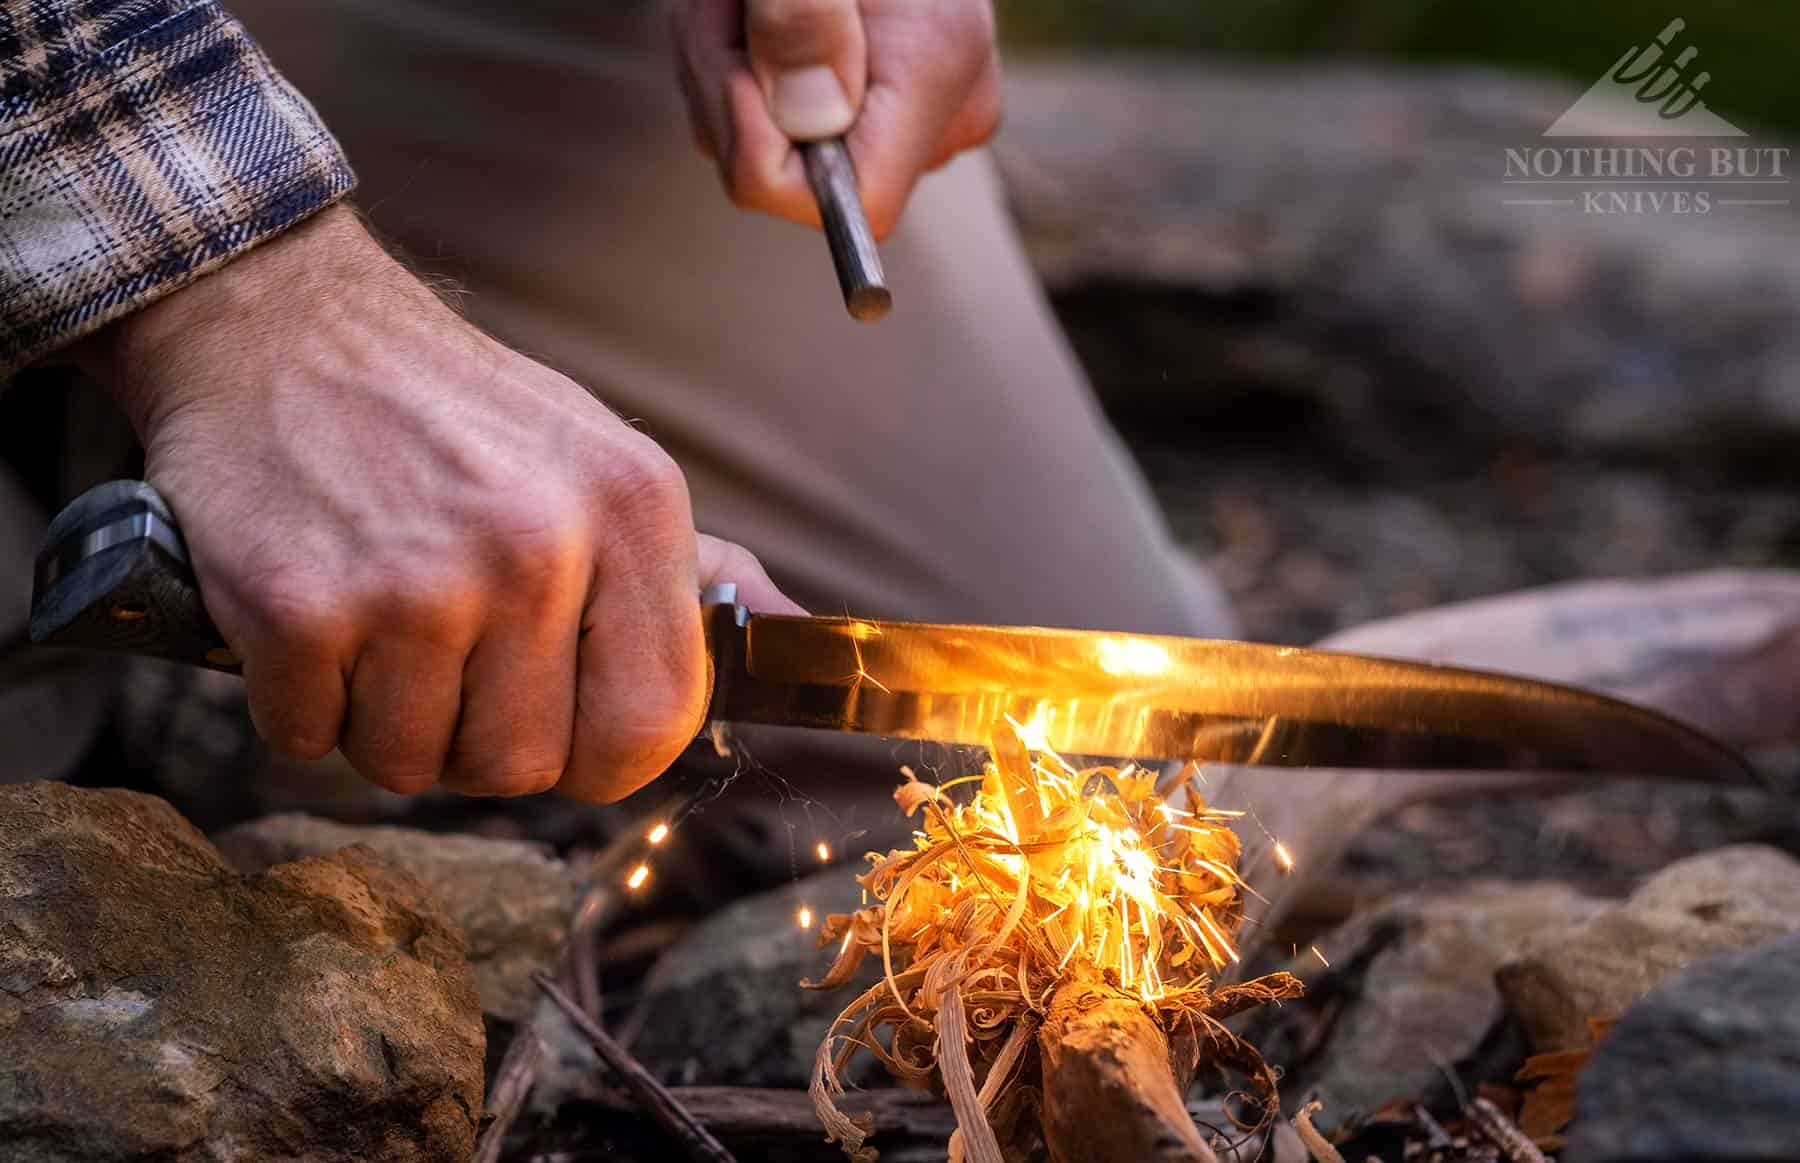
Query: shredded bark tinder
(1045, 885)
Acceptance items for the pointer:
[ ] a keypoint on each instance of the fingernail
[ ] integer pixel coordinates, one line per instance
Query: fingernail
(810, 104)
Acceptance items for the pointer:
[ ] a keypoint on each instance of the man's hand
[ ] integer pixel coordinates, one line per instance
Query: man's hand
(446, 559)
(911, 83)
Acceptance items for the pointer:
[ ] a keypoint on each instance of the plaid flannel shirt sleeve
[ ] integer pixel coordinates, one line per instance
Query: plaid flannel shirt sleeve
(142, 144)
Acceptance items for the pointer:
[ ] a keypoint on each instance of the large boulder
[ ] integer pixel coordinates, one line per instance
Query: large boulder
(512, 899)
(1706, 1067)
(156, 1004)
(1717, 902)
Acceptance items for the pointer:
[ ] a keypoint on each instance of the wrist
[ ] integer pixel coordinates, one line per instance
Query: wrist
(148, 359)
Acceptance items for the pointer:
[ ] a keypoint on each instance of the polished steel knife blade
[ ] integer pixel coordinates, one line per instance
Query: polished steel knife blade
(1147, 697)
(114, 575)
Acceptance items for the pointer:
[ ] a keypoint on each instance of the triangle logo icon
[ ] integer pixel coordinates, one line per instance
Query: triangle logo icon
(1651, 91)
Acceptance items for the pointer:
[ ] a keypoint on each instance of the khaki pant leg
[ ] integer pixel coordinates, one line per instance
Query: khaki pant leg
(949, 462)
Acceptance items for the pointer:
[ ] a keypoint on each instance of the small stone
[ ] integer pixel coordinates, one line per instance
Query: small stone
(726, 1007)
(1717, 902)
(1410, 992)
(155, 1004)
(513, 899)
(1705, 1067)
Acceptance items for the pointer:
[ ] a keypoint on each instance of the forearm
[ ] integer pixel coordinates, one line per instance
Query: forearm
(141, 146)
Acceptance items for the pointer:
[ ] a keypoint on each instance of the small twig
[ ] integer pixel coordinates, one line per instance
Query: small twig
(512, 1083)
(636, 1018)
(600, 901)
(583, 966)
(1436, 1137)
(656, 1100)
(1317, 1145)
(1515, 1144)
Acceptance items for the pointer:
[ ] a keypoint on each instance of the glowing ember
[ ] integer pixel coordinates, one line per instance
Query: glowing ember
(658, 834)
(638, 876)
(824, 852)
(1283, 857)
(804, 917)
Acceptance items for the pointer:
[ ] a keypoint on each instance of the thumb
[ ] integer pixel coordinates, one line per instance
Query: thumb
(811, 61)
(722, 561)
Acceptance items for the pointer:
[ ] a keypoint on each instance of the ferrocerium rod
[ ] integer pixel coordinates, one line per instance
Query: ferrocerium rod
(853, 252)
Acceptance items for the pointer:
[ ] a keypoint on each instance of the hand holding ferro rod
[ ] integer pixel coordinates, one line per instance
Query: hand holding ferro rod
(833, 180)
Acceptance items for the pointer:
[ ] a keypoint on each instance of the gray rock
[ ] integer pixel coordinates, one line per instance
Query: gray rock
(512, 899)
(155, 1004)
(726, 1007)
(1410, 992)
(1718, 649)
(1715, 903)
(1706, 1067)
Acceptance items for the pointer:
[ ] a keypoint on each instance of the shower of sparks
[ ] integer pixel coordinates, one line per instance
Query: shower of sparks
(658, 834)
(638, 876)
(1099, 873)
(823, 851)
(804, 917)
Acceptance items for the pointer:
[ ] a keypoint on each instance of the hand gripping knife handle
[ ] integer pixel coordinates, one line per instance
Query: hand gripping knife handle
(114, 575)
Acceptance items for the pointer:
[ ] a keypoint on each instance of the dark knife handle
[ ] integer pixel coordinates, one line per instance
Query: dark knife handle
(114, 575)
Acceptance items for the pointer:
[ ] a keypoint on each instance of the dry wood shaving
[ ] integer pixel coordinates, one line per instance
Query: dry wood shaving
(1550, 1105)
(1318, 1147)
(1044, 872)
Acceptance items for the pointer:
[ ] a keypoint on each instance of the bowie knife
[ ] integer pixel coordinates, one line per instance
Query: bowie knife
(114, 575)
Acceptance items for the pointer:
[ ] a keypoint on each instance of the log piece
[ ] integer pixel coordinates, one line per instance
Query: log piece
(1110, 1091)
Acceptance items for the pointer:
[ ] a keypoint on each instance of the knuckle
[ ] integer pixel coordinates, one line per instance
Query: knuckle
(398, 776)
(803, 19)
(636, 735)
(295, 606)
(296, 743)
(431, 609)
(516, 775)
(961, 35)
(970, 24)
(534, 547)
(653, 488)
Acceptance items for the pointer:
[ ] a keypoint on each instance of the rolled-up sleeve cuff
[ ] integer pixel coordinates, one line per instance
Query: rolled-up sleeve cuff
(141, 145)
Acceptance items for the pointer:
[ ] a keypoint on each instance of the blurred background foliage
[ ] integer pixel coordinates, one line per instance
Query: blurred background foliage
(1749, 45)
